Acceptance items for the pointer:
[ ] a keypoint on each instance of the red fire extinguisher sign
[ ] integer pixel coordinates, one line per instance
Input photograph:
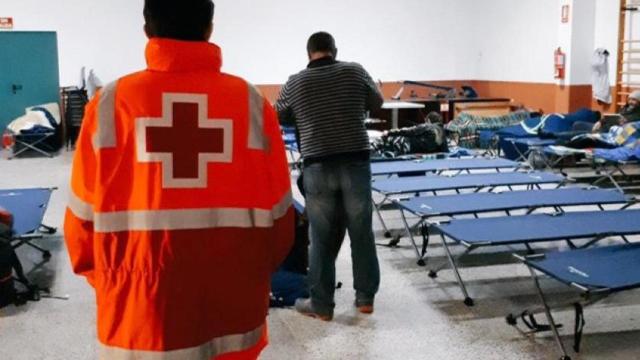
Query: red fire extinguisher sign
(565, 14)
(6, 23)
(559, 62)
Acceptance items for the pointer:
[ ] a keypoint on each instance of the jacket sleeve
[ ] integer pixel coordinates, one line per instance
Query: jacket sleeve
(78, 222)
(374, 97)
(283, 107)
(280, 187)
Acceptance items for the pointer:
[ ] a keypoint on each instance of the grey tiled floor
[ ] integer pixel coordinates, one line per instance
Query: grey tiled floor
(416, 317)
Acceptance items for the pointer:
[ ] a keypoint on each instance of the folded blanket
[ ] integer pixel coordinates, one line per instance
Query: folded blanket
(466, 127)
(30, 121)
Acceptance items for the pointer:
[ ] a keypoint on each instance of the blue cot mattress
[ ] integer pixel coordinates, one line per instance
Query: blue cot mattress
(542, 227)
(449, 205)
(399, 167)
(28, 207)
(441, 183)
(613, 268)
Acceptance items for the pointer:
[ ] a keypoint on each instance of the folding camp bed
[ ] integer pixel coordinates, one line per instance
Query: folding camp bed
(476, 182)
(529, 229)
(28, 207)
(605, 166)
(595, 272)
(441, 165)
(522, 147)
(426, 208)
(37, 142)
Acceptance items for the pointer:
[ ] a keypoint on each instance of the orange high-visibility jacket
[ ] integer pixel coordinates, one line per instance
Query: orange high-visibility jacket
(180, 208)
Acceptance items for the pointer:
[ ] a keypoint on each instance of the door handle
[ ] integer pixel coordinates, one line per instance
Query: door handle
(15, 88)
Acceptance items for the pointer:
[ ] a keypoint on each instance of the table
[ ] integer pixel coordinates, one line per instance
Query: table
(395, 107)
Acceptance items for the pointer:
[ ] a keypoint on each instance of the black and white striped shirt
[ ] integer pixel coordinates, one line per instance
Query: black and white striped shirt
(327, 102)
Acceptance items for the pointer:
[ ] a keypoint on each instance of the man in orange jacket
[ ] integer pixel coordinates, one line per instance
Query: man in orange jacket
(180, 204)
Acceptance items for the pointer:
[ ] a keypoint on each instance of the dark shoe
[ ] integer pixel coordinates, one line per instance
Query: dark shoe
(304, 307)
(364, 307)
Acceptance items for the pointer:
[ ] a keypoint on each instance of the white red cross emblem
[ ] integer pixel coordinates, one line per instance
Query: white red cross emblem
(184, 140)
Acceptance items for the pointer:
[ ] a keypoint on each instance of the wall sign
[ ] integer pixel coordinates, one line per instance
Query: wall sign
(6, 23)
(565, 14)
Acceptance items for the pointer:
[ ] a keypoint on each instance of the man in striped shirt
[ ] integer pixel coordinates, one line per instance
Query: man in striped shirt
(327, 102)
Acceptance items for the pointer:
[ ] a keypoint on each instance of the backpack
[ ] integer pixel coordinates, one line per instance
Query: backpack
(7, 289)
(8, 263)
(290, 281)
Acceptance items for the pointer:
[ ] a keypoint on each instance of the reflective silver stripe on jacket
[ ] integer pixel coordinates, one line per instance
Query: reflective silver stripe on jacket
(81, 209)
(257, 139)
(212, 348)
(183, 219)
(105, 136)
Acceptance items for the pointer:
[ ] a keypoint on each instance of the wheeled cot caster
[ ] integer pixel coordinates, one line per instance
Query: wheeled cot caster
(46, 255)
(387, 234)
(433, 274)
(565, 358)
(511, 320)
(421, 262)
(469, 302)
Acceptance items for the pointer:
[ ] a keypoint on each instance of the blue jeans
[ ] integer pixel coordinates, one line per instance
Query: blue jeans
(338, 199)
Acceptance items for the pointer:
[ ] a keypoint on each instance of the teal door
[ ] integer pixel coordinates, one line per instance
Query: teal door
(28, 72)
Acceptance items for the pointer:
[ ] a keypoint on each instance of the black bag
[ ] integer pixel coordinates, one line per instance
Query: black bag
(9, 263)
(7, 258)
(421, 139)
(290, 281)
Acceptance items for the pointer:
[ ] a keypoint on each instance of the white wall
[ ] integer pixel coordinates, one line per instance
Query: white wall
(403, 39)
(606, 32)
(515, 40)
(583, 16)
(264, 41)
(105, 35)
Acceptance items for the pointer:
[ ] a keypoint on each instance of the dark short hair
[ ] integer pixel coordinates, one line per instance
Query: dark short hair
(178, 19)
(321, 42)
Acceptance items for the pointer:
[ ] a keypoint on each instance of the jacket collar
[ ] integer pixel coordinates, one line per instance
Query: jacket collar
(169, 55)
(327, 60)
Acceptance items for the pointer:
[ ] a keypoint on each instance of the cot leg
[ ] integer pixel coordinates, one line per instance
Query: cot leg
(547, 312)
(34, 146)
(409, 230)
(595, 240)
(46, 254)
(467, 300)
(48, 229)
(424, 230)
(628, 206)
(608, 175)
(377, 207)
(530, 250)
